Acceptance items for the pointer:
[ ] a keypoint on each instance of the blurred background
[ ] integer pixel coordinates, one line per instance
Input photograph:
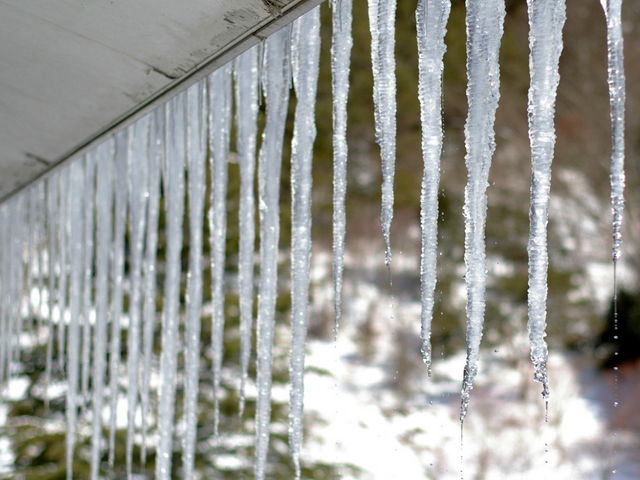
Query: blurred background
(371, 411)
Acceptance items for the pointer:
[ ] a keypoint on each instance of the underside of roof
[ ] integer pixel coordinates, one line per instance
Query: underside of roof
(73, 70)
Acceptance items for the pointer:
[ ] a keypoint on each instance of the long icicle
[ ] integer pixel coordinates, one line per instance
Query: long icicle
(305, 60)
(431, 22)
(75, 200)
(89, 233)
(137, 153)
(196, 159)
(219, 129)
(173, 176)
(117, 277)
(382, 15)
(155, 159)
(341, 43)
(484, 33)
(276, 80)
(63, 236)
(546, 19)
(104, 212)
(246, 89)
(52, 237)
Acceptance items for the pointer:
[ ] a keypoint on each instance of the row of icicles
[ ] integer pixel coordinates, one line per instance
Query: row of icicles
(63, 238)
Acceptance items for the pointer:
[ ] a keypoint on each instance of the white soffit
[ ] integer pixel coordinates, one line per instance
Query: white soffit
(71, 70)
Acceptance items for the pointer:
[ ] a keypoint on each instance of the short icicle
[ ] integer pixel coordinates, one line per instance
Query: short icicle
(173, 176)
(431, 21)
(246, 89)
(484, 33)
(341, 43)
(137, 153)
(276, 80)
(155, 159)
(117, 278)
(219, 130)
(305, 59)
(104, 212)
(75, 202)
(382, 15)
(546, 19)
(196, 158)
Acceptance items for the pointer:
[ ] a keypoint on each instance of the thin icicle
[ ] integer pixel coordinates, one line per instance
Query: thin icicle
(174, 203)
(382, 15)
(63, 235)
(276, 80)
(616, 80)
(104, 212)
(52, 237)
(484, 33)
(305, 59)
(341, 43)
(89, 226)
(196, 158)
(219, 126)
(138, 151)
(117, 276)
(75, 201)
(546, 19)
(155, 159)
(431, 22)
(246, 83)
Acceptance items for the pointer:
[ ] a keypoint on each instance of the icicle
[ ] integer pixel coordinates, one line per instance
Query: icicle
(341, 43)
(104, 206)
(138, 150)
(196, 158)
(431, 21)
(117, 275)
(63, 235)
(75, 201)
(305, 57)
(484, 33)
(52, 234)
(89, 226)
(382, 25)
(32, 256)
(616, 80)
(219, 125)
(155, 159)
(246, 78)
(174, 197)
(546, 19)
(276, 78)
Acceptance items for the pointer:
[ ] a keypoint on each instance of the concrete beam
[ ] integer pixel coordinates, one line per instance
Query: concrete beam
(71, 71)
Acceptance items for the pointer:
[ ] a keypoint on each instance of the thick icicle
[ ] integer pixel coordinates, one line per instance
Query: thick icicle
(174, 203)
(117, 275)
(196, 158)
(155, 159)
(74, 198)
(616, 80)
(246, 83)
(87, 287)
(546, 19)
(382, 15)
(305, 59)
(219, 127)
(137, 153)
(484, 33)
(341, 43)
(104, 212)
(431, 22)
(276, 80)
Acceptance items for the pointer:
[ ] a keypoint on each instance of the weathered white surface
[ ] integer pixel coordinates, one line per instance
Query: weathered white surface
(71, 68)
